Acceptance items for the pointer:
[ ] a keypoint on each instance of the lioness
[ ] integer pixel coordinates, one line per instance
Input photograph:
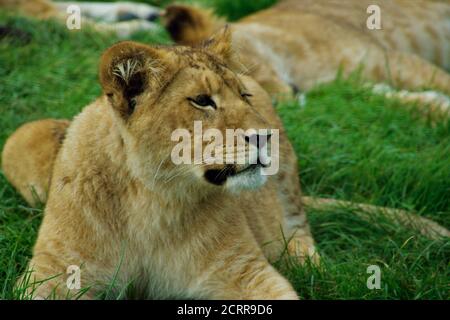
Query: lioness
(299, 43)
(118, 207)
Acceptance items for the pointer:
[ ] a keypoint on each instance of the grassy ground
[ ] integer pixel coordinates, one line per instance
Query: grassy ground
(351, 144)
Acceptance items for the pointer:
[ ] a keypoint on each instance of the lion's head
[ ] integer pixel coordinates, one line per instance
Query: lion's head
(163, 95)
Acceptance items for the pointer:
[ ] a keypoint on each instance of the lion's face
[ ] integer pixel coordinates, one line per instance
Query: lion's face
(185, 117)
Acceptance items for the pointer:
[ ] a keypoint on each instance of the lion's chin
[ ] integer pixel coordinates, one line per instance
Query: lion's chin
(250, 179)
(228, 177)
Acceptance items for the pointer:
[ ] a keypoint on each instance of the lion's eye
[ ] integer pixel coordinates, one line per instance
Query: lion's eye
(203, 100)
(246, 95)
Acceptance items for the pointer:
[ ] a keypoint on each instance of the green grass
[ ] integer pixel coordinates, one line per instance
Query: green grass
(234, 10)
(351, 145)
(361, 147)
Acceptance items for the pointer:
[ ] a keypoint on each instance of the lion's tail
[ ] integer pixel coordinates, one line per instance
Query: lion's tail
(424, 226)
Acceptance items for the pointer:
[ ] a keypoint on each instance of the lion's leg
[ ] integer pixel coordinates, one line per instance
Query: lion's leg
(246, 275)
(408, 71)
(438, 104)
(28, 157)
(266, 284)
(300, 242)
(296, 227)
(48, 278)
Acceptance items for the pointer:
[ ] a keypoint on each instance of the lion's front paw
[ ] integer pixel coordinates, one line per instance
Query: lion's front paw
(303, 249)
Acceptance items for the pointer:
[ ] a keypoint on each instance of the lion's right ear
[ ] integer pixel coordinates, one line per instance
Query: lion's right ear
(127, 69)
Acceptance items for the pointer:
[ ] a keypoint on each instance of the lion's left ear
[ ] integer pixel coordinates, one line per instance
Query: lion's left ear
(127, 69)
(220, 43)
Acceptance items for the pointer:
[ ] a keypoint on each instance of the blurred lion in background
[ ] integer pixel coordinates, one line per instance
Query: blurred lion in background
(121, 18)
(296, 44)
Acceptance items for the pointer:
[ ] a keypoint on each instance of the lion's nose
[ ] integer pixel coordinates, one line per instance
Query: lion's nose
(257, 139)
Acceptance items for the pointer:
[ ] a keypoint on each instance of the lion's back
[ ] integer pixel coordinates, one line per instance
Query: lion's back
(29, 154)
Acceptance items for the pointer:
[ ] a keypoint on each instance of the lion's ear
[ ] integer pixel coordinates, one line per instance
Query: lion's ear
(190, 25)
(220, 44)
(127, 69)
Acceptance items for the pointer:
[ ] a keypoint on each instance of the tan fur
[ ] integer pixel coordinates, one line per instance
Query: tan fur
(305, 42)
(41, 9)
(27, 157)
(116, 199)
(424, 226)
(191, 27)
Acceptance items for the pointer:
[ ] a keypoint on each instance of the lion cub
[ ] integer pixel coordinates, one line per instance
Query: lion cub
(119, 208)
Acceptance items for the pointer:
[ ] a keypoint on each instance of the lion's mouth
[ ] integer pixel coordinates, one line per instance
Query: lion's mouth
(220, 176)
